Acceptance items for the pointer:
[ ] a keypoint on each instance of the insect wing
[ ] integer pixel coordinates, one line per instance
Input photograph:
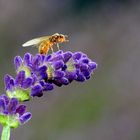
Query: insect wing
(36, 41)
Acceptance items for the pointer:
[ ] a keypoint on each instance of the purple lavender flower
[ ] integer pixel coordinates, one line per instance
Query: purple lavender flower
(39, 73)
(12, 113)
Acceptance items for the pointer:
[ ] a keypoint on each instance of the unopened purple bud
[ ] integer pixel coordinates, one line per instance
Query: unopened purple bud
(18, 62)
(25, 117)
(77, 55)
(43, 68)
(84, 56)
(21, 109)
(87, 77)
(58, 74)
(83, 67)
(36, 90)
(80, 78)
(85, 60)
(67, 56)
(92, 65)
(20, 77)
(64, 67)
(36, 61)
(27, 83)
(42, 72)
(64, 81)
(86, 73)
(57, 82)
(7, 80)
(6, 100)
(57, 58)
(2, 103)
(48, 86)
(48, 57)
(59, 52)
(12, 105)
(57, 65)
(34, 78)
(12, 82)
(71, 76)
(27, 59)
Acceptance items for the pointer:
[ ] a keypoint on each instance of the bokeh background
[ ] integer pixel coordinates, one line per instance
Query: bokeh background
(107, 107)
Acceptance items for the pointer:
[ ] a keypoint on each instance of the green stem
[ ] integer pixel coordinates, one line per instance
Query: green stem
(5, 133)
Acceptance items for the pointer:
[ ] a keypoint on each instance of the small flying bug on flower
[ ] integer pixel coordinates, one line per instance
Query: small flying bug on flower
(46, 42)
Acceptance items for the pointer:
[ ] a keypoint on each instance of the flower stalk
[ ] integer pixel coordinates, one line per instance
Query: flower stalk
(5, 133)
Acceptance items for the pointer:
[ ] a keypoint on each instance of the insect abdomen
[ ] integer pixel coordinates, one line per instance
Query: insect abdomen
(44, 47)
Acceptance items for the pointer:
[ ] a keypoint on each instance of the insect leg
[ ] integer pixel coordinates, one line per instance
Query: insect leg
(52, 49)
(58, 46)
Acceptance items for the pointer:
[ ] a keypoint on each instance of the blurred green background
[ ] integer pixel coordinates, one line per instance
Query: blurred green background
(107, 106)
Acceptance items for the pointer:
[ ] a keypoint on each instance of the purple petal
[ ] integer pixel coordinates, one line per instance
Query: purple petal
(7, 81)
(43, 68)
(20, 78)
(18, 62)
(84, 55)
(21, 109)
(27, 82)
(77, 65)
(27, 59)
(56, 58)
(85, 60)
(67, 56)
(11, 84)
(64, 81)
(92, 65)
(36, 90)
(77, 55)
(86, 73)
(64, 67)
(57, 82)
(58, 74)
(42, 58)
(80, 78)
(48, 86)
(87, 77)
(25, 117)
(71, 75)
(12, 105)
(2, 104)
(42, 72)
(36, 61)
(57, 65)
(42, 82)
(83, 67)
(34, 78)
(48, 57)
(6, 99)
(59, 52)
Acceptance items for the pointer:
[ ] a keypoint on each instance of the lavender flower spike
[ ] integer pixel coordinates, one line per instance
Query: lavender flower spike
(39, 73)
(12, 113)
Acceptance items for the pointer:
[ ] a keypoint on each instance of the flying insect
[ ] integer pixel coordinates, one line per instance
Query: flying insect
(45, 43)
